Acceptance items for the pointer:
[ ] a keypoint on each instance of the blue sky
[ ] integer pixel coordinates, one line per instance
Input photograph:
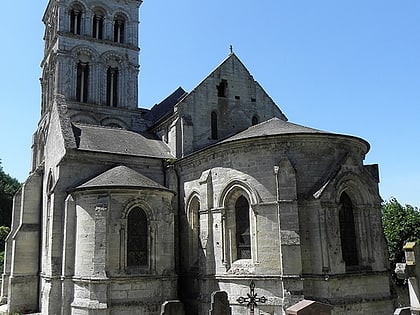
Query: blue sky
(349, 67)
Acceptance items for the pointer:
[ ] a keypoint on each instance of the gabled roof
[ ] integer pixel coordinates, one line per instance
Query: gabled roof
(119, 141)
(121, 177)
(165, 107)
(232, 57)
(272, 127)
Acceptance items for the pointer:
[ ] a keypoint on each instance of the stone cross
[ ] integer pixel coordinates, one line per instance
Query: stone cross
(251, 298)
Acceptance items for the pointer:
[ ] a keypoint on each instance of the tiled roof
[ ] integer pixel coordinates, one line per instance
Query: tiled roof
(271, 127)
(121, 177)
(166, 106)
(119, 141)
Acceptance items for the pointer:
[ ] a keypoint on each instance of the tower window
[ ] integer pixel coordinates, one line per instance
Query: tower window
(119, 29)
(75, 21)
(348, 232)
(214, 126)
(243, 236)
(98, 26)
(221, 88)
(137, 238)
(82, 82)
(112, 87)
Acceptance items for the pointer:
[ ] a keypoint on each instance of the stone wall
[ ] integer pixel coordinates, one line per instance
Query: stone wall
(277, 176)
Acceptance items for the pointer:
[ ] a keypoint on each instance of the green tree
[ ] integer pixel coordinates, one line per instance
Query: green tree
(4, 231)
(8, 188)
(401, 225)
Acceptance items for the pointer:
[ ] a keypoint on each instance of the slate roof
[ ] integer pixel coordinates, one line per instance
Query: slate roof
(119, 141)
(165, 107)
(272, 127)
(121, 177)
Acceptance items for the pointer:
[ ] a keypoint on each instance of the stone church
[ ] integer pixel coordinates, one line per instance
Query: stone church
(126, 208)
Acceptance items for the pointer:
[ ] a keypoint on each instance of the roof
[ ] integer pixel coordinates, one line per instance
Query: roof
(272, 127)
(166, 106)
(121, 177)
(119, 141)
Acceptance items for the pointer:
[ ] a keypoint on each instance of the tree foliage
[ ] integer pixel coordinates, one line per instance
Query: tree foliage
(4, 231)
(8, 188)
(401, 225)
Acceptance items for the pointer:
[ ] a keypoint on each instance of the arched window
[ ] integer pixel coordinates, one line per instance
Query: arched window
(98, 25)
(112, 87)
(75, 20)
(119, 29)
(214, 135)
(194, 231)
(238, 225)
(254, 120)
(82, 82)
(49, 191)
(137, 238)
(348, 232)
(243, 236)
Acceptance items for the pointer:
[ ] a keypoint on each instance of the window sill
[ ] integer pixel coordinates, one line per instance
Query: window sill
(242, 267)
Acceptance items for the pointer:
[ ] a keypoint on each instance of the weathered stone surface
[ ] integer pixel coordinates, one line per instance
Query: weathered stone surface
(228, 190)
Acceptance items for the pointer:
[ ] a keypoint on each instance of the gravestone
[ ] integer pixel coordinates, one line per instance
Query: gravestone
(220, 304)
(402, 311)
(308, 307)
(174, 307)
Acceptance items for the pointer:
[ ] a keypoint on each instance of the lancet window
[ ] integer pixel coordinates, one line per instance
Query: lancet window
(98, 26)
(119, 30)
(243, 236)
(112, 87)
(348, 232)
(137, 238)
(75, 20)
(214, 133)
(82, 82)
(193, 232)
(238, 224)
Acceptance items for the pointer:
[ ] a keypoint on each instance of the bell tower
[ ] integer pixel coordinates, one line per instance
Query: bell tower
(91, 56)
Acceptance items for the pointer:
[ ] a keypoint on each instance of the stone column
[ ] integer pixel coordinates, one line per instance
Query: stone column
(331, 230)
(91, 254)
(288, 217)
(68, 255)
(206, 221)
(288, 221)
(323, 226)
